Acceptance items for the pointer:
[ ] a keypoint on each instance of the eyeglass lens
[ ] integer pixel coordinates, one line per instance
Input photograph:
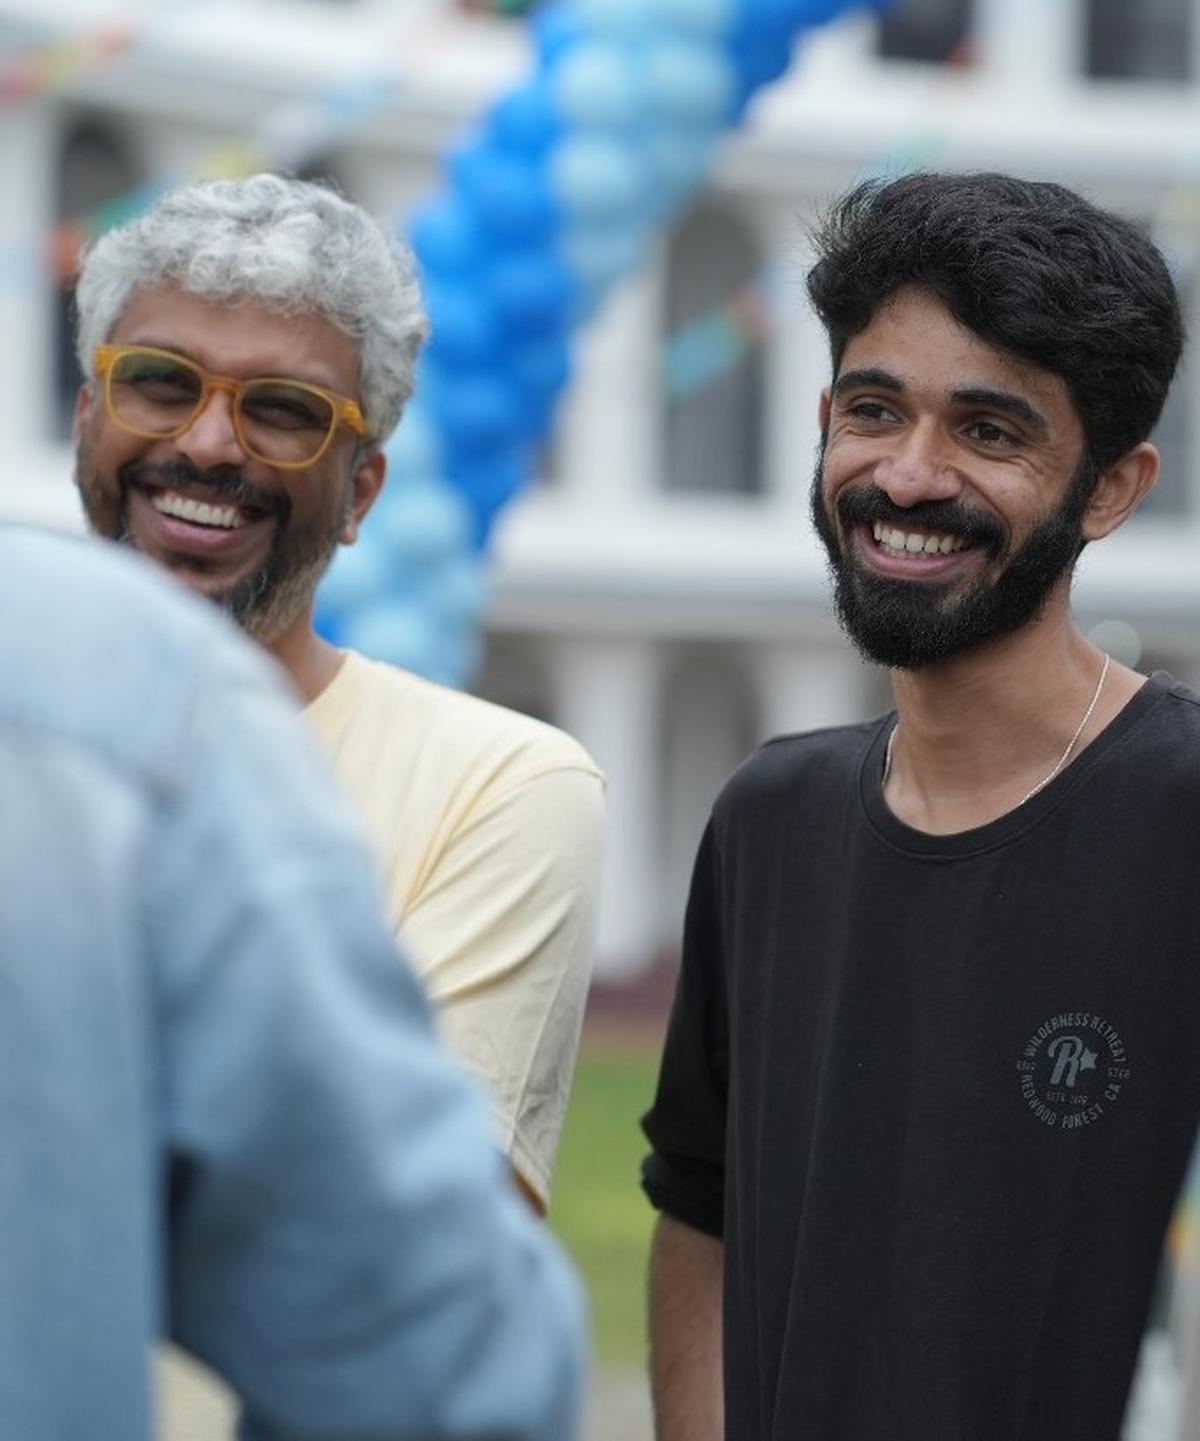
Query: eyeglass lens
(159, 396)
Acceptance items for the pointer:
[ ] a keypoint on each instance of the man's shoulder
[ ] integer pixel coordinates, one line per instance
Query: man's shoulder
(97, 647)
(795, 768)
(457, 723)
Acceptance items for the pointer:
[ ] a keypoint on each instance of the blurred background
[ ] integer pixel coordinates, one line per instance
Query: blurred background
(652, 585)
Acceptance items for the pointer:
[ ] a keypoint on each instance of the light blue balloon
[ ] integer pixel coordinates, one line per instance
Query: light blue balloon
(401, 632)
(623, 20)
(597, 178)
(422, 523)
(412, 448)
(597, 255)
(710, 19)
(458, 593)
(595, 87)
(359, 574)
(679, 159)
(689, 82)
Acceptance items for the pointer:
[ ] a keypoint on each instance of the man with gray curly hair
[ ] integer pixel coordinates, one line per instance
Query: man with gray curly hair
(248, 346)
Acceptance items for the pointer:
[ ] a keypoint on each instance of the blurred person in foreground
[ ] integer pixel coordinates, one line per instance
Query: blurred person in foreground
(931, 1077)
(225, 1115)
(248, 347)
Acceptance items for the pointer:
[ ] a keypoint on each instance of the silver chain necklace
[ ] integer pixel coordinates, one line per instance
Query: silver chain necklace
(1058, 765)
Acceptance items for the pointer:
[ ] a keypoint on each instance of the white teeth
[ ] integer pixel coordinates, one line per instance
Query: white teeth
(199, 512)
(913, 542)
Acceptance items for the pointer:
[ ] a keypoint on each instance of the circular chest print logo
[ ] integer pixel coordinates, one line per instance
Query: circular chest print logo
(1072, 1070)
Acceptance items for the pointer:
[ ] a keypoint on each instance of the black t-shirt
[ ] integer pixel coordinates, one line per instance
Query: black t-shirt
(937, 1093)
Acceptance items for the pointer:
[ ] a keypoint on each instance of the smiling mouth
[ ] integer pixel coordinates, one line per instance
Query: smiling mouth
(204, 513)
(894, 541)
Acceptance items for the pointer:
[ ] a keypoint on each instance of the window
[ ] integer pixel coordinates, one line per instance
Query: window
(713, 366)
(934, 31)
(1139, 39)
(94, 168)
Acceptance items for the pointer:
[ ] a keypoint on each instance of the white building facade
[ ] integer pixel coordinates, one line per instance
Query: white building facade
(657, 590)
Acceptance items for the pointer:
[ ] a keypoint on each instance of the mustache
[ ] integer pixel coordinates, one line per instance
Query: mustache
(947, 517)
(227, 481)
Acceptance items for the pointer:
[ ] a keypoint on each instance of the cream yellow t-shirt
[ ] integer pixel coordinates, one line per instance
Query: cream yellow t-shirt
(487, 828)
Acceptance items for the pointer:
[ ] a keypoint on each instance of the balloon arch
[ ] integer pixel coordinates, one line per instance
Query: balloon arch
(552, 198)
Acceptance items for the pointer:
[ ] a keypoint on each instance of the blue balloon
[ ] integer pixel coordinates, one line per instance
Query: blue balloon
(679, 160)
(530, 290)
(463, 326)
(624, 20)
(412, 448)
(506, 192)
(422, 523)
(760, 60)
(459, 591)
(597, 255)
(488, 482)
(477, 410)
(689, 82)
(541, 369)
(706, 18)
(403, 632)
(445, 238)
(595, 87)
(329, 624)
(596, 178)
(556, 28)
(525, 121)
(358, 572)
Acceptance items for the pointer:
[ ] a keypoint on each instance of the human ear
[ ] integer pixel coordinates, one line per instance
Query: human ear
(84, 399)
(823, 408)
(1119, 491)
(365, 484)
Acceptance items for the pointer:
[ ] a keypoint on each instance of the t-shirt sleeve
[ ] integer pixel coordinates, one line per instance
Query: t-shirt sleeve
(684, 1175)
(344, 1247)
(505, 928)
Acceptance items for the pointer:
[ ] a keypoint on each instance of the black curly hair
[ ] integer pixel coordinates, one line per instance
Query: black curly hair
(1031, 268)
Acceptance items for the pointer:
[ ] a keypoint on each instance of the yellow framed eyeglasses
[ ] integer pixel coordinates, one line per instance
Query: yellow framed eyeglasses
(158, 394)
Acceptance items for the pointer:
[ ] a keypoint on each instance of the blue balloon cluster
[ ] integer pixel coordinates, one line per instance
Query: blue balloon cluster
(552, 198)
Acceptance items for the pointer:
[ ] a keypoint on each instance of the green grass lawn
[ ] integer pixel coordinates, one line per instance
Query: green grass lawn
(597, 1206)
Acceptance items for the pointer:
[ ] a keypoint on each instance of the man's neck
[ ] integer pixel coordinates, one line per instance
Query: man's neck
(977, 733)
(310, 661)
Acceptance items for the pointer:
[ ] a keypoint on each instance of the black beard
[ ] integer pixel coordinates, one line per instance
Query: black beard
(909, 624)
(268, 601)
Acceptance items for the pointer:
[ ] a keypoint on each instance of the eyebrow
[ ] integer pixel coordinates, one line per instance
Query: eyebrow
(1004, 401)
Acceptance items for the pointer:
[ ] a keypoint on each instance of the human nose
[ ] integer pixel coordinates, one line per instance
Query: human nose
(919, 468)
(211, 438)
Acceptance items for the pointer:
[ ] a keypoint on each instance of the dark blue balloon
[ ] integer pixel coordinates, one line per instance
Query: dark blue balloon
(542, 368)
(530, 290)
(506, 193)
(555, 29)
(328, 624)
(464, 327)
(525, 121)
(478, 410)
(445, 238)
(760, 59)
(487, 483)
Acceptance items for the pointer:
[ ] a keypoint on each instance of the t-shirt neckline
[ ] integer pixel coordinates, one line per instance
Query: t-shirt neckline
(1015, 822)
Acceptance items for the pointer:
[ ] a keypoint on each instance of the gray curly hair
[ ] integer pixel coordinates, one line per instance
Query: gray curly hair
(294, 245)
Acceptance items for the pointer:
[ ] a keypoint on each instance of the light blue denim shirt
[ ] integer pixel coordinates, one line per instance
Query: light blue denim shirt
(222, 1113)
